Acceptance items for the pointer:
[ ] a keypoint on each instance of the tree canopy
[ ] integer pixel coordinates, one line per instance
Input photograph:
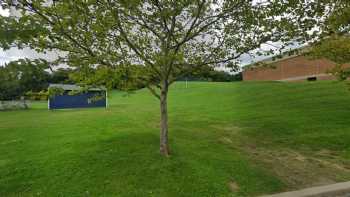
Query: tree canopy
(334, 43)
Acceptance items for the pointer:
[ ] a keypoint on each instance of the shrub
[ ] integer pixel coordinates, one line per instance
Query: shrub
(13, 105)
(41, 96)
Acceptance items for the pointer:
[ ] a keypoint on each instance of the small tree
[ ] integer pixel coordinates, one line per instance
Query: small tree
(166, 38)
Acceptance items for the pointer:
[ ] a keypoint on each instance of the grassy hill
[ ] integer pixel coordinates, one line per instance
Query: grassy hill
(227, 139)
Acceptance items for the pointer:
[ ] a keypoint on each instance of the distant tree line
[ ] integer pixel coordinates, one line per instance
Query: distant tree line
(208, 73)
(30, 78)
(23, 76)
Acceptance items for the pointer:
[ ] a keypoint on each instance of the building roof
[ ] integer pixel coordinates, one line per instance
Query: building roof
(279, 57)
(75, 87)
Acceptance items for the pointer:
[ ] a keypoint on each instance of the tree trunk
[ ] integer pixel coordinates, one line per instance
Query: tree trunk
(164, 146)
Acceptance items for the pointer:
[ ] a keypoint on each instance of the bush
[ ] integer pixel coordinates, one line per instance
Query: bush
(13, 105)
(37, 96)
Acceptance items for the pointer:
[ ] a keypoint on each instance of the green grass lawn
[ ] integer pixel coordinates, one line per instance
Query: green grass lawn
(252, 138)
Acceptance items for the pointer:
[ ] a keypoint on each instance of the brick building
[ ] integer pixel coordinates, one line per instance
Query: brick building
(292, 68)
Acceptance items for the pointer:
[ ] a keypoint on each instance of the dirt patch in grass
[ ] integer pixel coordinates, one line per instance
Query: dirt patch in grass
(233, 186)
(230, 133)
(298, 170)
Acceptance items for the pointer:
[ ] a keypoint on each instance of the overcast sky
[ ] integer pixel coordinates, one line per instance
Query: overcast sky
(14, 54)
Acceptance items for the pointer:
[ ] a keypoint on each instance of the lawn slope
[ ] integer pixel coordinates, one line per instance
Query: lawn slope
(227, 139)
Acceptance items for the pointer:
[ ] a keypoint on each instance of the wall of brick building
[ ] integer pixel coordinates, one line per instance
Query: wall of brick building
(291, 69)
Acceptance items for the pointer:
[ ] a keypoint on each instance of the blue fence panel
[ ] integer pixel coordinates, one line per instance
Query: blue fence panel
(82, 100)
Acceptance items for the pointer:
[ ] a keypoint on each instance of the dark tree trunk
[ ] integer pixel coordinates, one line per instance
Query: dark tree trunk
(164, 146)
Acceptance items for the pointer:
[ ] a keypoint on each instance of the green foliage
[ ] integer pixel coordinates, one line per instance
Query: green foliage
(335, 42)
(335, 48)
(61, 75)
(124, 78)
(42, 95)
(9, 87)
(165, 39)
(207, 73)
(339, 20)
(21, 76)
(55, 91)
(29, 78)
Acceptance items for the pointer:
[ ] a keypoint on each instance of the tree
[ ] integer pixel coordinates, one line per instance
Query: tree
(61, 75)
(9, 88)
(21, 76)
(335, 48)
(334, 43)
(166, 38)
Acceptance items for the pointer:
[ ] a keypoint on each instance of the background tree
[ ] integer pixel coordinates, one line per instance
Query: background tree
(9, 87)
(61, 75)
(19, 77)
(166, 38)
(334, 42)
(208, 73)
(22, 76)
